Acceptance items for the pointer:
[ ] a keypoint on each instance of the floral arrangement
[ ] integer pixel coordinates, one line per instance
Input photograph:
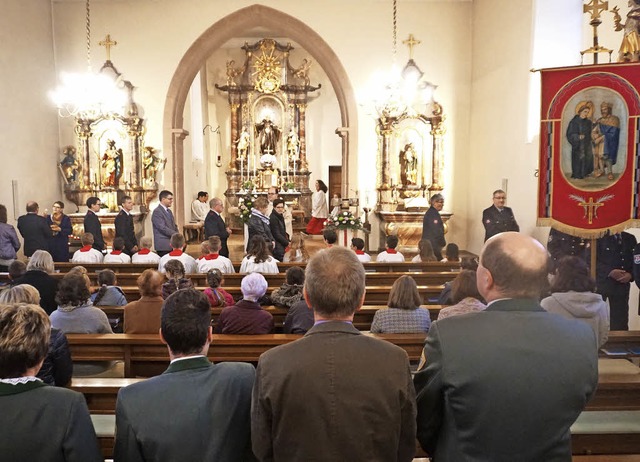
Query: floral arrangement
(245, 204)
(343, 220)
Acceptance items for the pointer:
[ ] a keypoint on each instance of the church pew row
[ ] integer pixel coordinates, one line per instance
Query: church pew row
(144, 355)
(276, 280)
(382, 267)
(616, 392)
(583, 440)
(362, 319)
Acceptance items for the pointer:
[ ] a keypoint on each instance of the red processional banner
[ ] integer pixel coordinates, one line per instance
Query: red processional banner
(589, 168)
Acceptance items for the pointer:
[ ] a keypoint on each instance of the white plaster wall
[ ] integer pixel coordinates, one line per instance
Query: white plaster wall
(29, 147)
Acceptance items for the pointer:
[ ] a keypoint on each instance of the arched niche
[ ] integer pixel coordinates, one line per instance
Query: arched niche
(234, 25)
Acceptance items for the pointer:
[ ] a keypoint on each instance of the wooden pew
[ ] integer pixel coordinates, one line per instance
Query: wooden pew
(622, 344)
(383, 267)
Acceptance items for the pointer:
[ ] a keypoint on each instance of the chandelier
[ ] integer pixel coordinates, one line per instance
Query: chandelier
(400, 91)
(88, 96)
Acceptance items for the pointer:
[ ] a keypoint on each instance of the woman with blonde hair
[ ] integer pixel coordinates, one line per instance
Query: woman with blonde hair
(404, 314)
(297, 251)
(425, 252)
(57, 367)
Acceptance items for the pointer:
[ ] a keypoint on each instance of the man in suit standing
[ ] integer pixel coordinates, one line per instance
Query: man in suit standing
(614, 274)
(164, 224)
(506, 383)
(34, 229)
(498, 218)
(354, 384)
(214, 225)
(92, 223)
(433, 227)
(124, 226)
(206, 406)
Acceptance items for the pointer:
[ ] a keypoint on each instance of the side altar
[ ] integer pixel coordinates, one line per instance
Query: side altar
(268, 98)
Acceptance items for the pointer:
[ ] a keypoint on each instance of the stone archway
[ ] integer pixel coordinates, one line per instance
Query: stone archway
(234, 25)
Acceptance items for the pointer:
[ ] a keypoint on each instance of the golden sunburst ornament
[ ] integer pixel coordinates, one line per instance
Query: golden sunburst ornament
(267, 68)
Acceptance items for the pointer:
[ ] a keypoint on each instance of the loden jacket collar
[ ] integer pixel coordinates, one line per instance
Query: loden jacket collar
(188, 364)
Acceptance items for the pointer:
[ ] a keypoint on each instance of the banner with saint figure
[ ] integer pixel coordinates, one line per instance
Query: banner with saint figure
(589, 175)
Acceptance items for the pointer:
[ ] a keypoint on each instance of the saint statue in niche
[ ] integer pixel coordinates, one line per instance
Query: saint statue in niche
(151, 164)
(408, 165)
(111, 164)
(293, 145)
(268, 136)
(243, 144)
(69, 165)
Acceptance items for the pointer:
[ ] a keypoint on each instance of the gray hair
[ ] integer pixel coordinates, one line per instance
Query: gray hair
(253, 286)
(335, 282)
(22, 293)
(41, 260)
(215, 201)
(436, 198)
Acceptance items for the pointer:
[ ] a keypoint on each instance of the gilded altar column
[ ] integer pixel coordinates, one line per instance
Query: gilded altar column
(83, 132)
(437, 166)
(234, 136)
(304, 166)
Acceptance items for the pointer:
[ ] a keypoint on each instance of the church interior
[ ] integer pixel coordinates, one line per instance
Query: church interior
(198, 75)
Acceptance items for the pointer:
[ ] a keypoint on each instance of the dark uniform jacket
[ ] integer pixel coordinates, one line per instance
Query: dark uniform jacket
(92, 225)
(496, 221)
(35, 231)
(125, 230)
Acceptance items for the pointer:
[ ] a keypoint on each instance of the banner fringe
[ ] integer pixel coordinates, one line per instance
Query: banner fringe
(587, 233)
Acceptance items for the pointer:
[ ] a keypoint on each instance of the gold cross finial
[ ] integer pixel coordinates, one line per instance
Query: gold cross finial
(108, 43)
(411, 42)
(594, 8)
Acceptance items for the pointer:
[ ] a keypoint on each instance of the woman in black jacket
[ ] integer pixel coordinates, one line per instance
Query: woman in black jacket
(259, 222)
(278, 229)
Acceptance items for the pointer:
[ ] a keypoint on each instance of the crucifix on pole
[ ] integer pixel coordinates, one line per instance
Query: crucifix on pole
(594, 8)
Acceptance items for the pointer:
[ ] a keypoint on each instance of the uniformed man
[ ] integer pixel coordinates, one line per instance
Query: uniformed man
(562, 245)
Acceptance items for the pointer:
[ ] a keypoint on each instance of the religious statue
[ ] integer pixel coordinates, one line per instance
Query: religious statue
(69, 165)
(268, 136)
(233, 72)
(243, 144)
(630, 46)
(293, 145)
(408, 165)
(151, 164)
(111, 164)
(579, 135)
(606, 139)
(302, 72)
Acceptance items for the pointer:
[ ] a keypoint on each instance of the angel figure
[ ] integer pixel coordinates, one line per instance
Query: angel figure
(69, 164)
(293, 144)
(233, 72)
(151, 164)
(302, 72)
(630, 46)
(242, 144)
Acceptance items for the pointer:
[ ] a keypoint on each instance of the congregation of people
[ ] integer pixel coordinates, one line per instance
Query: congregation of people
(333, 394)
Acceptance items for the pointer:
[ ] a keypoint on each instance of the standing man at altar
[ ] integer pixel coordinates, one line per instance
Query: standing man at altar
(164, 224)
(498, 218)
(124, 226)
(200, 207)
(214, 225)
(433, 227)
(92, 223)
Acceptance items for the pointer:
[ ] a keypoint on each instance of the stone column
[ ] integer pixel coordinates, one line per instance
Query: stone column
(178, 136)
(301, 110)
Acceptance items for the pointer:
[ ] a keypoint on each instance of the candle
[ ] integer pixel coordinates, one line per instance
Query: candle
(95, 178)
(130, 179)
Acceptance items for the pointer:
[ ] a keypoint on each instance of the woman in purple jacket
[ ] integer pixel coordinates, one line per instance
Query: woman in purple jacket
(9, 243)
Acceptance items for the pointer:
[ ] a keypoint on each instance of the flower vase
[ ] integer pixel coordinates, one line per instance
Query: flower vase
(344, 237)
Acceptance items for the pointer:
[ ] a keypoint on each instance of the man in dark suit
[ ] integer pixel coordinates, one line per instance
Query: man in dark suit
(164, 224)
(124, 226)
(505, 384)
(92, 223)
(498, 218)
(34, 229)
(214, 225)
(39, 422)
(206, 407)
(433, 227)
(614, 274)
(335, 394)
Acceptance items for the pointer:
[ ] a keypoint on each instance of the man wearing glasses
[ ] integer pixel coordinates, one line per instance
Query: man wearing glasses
(164, 224)
(498, 218)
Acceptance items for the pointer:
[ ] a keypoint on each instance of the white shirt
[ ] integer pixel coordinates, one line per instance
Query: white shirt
(222, 263)
(199, 210)
(390, 257)
(364, 257)
(190, 265)
(150, 257)
(90, 256)
(249, 265)
(319, 207)
(121, 258)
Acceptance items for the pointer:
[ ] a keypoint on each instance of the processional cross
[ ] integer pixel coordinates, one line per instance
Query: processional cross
(594, 8)
(108, 43)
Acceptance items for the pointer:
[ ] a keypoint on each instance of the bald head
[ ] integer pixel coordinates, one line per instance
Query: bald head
(512, 265)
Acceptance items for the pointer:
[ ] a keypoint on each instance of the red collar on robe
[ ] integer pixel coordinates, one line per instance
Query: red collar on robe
(175, 253)
(211, 256)
(116, 252)
(359, 252)
(86, 248)
(144, 251)
(392, 251)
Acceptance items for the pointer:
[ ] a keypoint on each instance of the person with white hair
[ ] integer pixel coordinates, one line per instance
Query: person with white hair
(39, 270)
(247, 316)
(145, 255)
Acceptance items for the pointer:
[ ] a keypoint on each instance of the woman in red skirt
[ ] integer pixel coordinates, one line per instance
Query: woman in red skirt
(319, 209)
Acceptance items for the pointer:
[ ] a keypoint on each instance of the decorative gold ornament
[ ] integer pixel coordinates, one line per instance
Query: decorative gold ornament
(268, 68)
